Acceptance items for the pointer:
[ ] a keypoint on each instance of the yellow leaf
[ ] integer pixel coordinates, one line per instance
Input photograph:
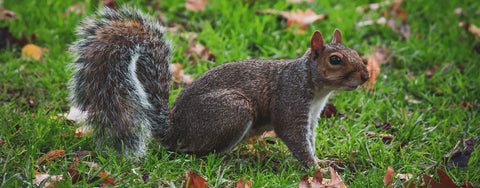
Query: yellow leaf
(32, 51)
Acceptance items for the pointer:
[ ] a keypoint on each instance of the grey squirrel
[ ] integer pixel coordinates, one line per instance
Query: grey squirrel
(121, 77)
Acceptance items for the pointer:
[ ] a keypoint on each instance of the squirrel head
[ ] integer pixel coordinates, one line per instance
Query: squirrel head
(335, 66)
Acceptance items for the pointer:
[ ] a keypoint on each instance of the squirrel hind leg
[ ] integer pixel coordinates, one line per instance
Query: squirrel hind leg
(226, 117)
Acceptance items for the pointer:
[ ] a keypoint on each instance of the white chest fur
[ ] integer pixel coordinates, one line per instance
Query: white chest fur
(316, 108)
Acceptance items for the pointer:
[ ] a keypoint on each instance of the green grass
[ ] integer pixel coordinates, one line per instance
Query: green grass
(32, 92)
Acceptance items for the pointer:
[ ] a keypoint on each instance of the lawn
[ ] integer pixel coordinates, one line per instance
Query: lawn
(426, 96)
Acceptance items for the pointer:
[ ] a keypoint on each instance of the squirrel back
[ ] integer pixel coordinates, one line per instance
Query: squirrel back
(121, 77)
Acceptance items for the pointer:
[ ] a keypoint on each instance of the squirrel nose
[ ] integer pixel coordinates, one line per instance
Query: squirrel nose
(365, 76)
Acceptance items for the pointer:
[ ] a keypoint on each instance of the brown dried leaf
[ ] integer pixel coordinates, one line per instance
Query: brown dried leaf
(304, 182)
(243, 183)
(22, 41)
(178, 75)
(445, 182)
(459, 158)
(329, 111)
(7, 14)
(373, 67)
(75, 174)
(198, 50)
(336, 180)
(108, 181)
(196, 5)
(193, 180)
(300, 18)
(388, 178)
(2, 142)
(317, 181)
(50, 156)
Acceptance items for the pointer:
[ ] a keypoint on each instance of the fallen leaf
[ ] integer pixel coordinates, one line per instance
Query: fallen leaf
(178, 75)
(2, 142)
(22, 41)
(474, 30)
(300, 18)
(32, 51)
(329, 111)
(47, 179)
(445, 182)
(388, 178)
(193, 180)
(404, 177)
(459, 158)
(199, 51)
(146, 177)
(75, 175)
(304, 182)
(108, 181)
(50, 156)
(7, 14)
(317, 181)
(243, 183)
(196, 5)
(83, 130)
(373, 67)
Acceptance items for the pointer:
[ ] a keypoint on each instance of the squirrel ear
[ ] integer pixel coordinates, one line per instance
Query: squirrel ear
(317, 42)
(337, 37)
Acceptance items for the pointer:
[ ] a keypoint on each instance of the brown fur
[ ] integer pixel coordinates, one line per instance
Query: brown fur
(121, 77)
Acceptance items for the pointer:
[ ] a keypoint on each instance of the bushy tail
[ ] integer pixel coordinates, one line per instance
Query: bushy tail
(121, 78)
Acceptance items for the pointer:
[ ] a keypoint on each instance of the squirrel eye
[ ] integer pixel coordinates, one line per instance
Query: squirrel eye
(335, 60)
